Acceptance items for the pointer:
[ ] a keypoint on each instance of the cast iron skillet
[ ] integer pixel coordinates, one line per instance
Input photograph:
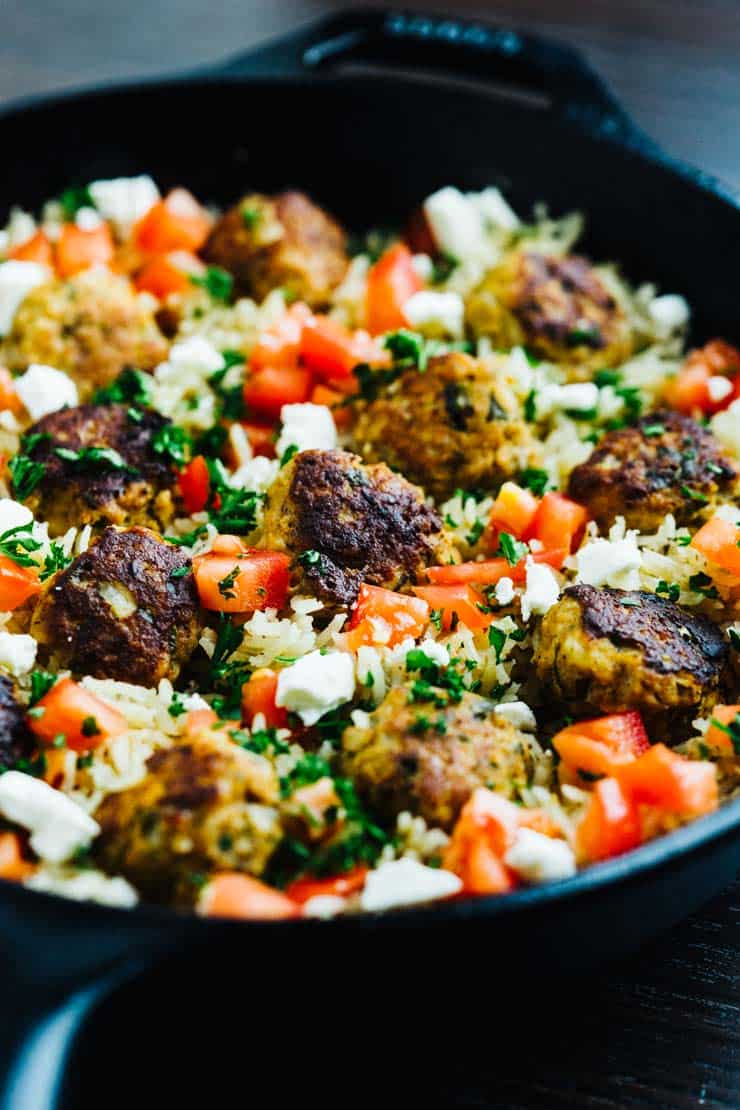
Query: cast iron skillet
(300, 111)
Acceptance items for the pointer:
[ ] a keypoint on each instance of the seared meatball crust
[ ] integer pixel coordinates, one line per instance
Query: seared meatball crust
(135, 490)
(92, 326)
(206, 804)
(646, 471)
(558, 306)
(455, 426)
(285, 241)
(122, 610)
(16, 741)
(347, 523)
(606, 650)
(420, 756)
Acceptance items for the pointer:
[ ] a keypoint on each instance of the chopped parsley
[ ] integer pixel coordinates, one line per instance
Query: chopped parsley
(87, 457)
(309, 558)
(702, 584)
(586, 336)
(371, 382)
(16, 544)
(734, 638)
(511, 549)
(475, 533)
(497, 639)
(535, 480)
(606, 377)
(218, 283)
(671, 590)
(653, 429)
(131, 387)
(226, 585)
(444, 265)
(407, 349)
(25, 474)
(530, 407)
(73, 199)
(251, 216)
(694, 495)
(173, 442)
(90, 727)
(290, 452)
(630, 602)
(177, 706)
(231, 396)
(41, 683)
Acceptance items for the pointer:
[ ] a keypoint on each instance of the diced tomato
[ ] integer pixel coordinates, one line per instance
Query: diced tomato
(539, 820)
(13, 867)
(256, 579)
(261, 438)
(339, 886)
(601, 746)
(332, 398)
(200, 720)
(36, 249)
(671, 782)
(457, 601)
(177, 222)
(9, 399)
(162, 277)
(258, 696)
(279, 346)
(194, 483)
(489, 571)
(78, 249)
(514, 510)
(17, 584)
(71, 711)
(689, 392)
(331, 351)
(268, 390)
(611, 824)
(715, 737)
(558, 523)
(318, 805)
(718, 541)
(485, 830)
(233, 894)
(384, 617)
(390, 283)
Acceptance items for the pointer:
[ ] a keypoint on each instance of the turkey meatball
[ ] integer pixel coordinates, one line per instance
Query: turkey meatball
(347, 523)
(607, 650)
(92, 326)
(16, 741)
(644, 472)
(454, 426)
(559, 307)
(428, 754)
(126, 609)
(100, 467)
(206, 804)
(285, 241)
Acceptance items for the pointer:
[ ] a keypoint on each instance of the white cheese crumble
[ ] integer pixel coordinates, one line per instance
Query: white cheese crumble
(540, 859)
(504, 591)
(58, 827)
(323, 906)
(196, 353)
(719, 387)
(438, 653)
(455, 224)
(438, 313)
(669, 311)
(84, 886)
(20, 228)
(726, 427)
(423, 266)
(404, 882)
(542, 589)
(17, 279)
(518, 714)
(13, 514)
(87, 219)
(43, 389)
(610, 563)
(495, 209)
(257, 474)
(308, 427)
(316, 684)
(578, 397)
(17, 652)
(124, 200)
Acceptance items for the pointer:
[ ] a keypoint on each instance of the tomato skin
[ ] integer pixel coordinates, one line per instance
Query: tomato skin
(194, 483)
(260, 580)
(279, 346)
(382, 616)
(175, 223)
(339, 886)
(459, 601)
(484, 832)
(603, 745)
(718, 541)
(611, 824)
(559, 522)
(258, 696)
(714, 737)
(331, 351)
(17, 584)
(261, 437)
(36, 249)
(514, 510)
(162, 278)
(489, 571)
(13, 867)
(234, 894)
(689, 391)
(9, 399)
(268, 390)
(333, 399)
(390, 283)
(66, 707)
(78, 250)
(672, 783)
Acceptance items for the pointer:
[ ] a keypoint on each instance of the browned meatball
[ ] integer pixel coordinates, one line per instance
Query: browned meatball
(455, 426)
(348, 523)
(644, 472)
(560, 307)
(100, 467)
(92, 326)
(285, 241)
(606, 650)
(124, 609)
(16, 741)
(428, 755)
(205, 805)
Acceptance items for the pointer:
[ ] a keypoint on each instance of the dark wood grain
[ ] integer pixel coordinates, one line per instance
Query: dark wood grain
(662, 1029)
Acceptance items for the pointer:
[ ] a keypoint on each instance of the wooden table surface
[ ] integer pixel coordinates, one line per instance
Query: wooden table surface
(662, 1029)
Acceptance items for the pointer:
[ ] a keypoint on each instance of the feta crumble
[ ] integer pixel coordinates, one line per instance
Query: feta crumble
(610, 563)
(124, 200)
(404, 882)
(308, 427)
(537, 858)
(316, 684)
(542, 589)
(58, 827)
(43, 389)
(17, 652)
(437, 313)
(17, 279)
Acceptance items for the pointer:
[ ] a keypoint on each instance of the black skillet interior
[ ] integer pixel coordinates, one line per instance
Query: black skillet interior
(370, 146)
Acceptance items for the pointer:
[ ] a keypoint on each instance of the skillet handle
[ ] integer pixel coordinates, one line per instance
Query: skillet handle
(463, 48)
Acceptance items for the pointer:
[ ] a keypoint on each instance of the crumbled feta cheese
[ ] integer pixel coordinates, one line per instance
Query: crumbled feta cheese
(504, 591)
(438, 653)
(669, 312)
(58, 827)
(495, 209)
(404, 882)
(719, 387)
(17, 652)
(42, 389)
(360, 718)
(542, 589)
(316, 684)
(436, 312)
(518, 714)
(324, 906)
(20, 228)
(730, 513)
(194, 701)
(610, 563)
(308, 427)
(456, 224)
(423, 266)
(124, 200)
(537, 858)
(13, 514)
(85, 886)
(196, 353)
(17, 279)
(577, 397)
(726, 427)
(87, 219)
(257, 474)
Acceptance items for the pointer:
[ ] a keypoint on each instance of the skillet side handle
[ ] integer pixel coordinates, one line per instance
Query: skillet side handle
(462, 48)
